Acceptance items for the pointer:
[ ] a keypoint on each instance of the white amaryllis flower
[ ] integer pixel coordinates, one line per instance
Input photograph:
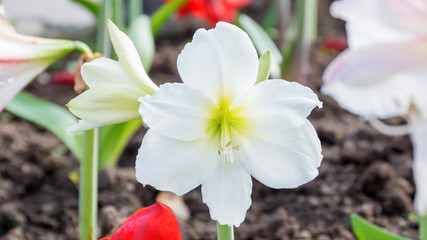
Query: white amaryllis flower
(218, 128)
(24, 57)
(383, 74)
(384, 70)
(114, 87)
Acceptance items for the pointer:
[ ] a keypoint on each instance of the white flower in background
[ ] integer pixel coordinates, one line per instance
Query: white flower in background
(24, 57)
(383, 74)
(114, 87)
(218, 128)
(419, 140)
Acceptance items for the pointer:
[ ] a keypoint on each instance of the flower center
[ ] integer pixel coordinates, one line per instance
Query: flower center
(224, 125)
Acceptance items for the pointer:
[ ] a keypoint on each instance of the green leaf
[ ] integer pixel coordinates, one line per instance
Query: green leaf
(89, 5)
(113, 140)
(364, 230)
(270, 17)
(159, 17)
(142, 37)
(50, 116)
(264, 67)
(262, 42)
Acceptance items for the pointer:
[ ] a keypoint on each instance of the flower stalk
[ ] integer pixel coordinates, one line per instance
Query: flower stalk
(224, 232)
(88, 186)
(285, 13)
(423, 227)
(102, 40)
(135, 8)
(119, 13)
(307, 23)
(83, 47)
(88, 197)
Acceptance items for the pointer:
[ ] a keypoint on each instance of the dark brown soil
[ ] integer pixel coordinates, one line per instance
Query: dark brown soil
(362, 171)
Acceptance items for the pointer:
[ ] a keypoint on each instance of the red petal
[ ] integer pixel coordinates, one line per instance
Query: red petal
(213, 11)
(238, 3)
(339, 44)
(156, 222)
(64, 77)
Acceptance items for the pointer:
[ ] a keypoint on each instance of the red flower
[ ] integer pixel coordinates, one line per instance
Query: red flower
(156, 222)
(213, 11)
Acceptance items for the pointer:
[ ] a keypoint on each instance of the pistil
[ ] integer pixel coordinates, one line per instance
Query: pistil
(226, 147)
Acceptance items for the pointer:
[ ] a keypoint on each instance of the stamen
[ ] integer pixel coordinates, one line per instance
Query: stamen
(225, 152)
(388, 129)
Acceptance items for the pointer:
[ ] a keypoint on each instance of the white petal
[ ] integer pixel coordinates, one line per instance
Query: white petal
(129, 58)
(103, 71)
(285, 159)
(221, 61)
(24, 48)
(410, 15)
(112, 96)
(15, 46)
(177, 111)
(419, 141)
(228, 194)
(24, 57)
(276, 105)
(381, 80)
(83, 125)
(107, 104)
(174, 165)
(14, 77)
(366, 23)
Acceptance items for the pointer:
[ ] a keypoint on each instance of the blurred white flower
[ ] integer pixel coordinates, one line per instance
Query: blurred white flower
(24, 57)
(383, 74)
(114, 87)
(384, 70)
(419, 141)
(218, 128)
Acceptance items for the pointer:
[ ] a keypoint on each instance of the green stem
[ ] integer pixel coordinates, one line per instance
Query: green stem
(88, 190)
(285, 14)
(84, 48)
(134, 9)
(224, 232)
(423, 227)
(103, 44)
(88, 197)
(119, 14)
(307, 31)
(118, 17)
